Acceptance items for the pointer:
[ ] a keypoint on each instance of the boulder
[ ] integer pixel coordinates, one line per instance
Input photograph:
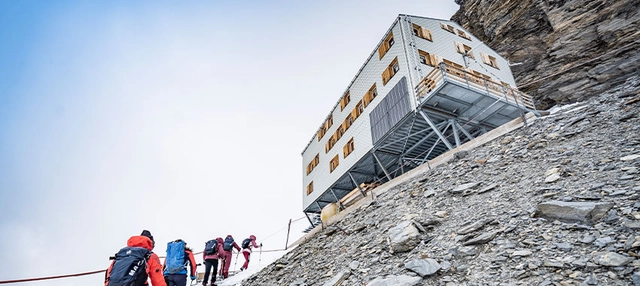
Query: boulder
(404, 237)
(586, 212)
(423, 267)
(399, 280)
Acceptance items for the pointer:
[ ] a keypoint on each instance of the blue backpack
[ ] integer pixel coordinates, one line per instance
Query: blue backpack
(228, 243)
(211, 247)
(175, 257)
(129, 267)
(246, 242)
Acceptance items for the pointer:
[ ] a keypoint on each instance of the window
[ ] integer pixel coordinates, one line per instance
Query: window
(312, 165)
(464, 49)
(348, 121)
(359, 109)
(489, 60)
(447, 27)
(386, 45)
(428, 59)
(325, 126)
(348, 148)
(463, 34)
(339, 132)
(345, 100)
(321, 133)
(332, 141)
(390, 71)
(310, 188)
(422, 32)
(370, 95)
(334, 163)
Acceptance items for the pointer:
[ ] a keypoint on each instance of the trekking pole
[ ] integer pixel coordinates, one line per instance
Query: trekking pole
(236, 264)
(260, 257)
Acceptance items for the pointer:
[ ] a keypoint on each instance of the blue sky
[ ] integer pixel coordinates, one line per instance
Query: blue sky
(185, 118)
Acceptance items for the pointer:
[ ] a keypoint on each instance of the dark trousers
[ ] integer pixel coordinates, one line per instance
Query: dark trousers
(208, 264)
(176, 279)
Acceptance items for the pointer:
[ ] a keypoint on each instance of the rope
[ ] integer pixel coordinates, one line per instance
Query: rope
(104, 270)
(52, 277)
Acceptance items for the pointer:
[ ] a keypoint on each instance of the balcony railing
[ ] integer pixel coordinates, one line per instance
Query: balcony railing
(444, 71)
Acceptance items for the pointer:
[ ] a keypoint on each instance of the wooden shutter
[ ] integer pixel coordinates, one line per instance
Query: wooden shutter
(459, 47)
(386, 75)
(485, 58)
(427, 34)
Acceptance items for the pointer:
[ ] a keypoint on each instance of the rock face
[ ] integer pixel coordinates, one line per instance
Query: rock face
(497, 237)
(569, 50)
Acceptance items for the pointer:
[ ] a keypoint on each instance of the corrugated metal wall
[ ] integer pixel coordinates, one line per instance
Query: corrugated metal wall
(393, 107)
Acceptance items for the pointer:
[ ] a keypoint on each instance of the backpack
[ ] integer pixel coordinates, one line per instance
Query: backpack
(175, 257)
(246, 242)
(228, 243)
(211, 247)
(129, 267)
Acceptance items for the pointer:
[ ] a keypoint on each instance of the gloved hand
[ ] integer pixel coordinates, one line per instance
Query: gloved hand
(260, 244)
(193, 278)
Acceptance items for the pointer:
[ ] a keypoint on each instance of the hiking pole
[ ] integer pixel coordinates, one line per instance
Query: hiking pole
(236, 264)
(260, 257)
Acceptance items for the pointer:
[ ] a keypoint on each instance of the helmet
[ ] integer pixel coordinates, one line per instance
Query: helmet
(252, 237)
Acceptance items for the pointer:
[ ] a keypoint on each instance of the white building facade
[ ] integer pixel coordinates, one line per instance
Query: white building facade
(427, 87)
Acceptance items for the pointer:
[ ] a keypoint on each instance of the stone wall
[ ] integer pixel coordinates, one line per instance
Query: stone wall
(565, 51)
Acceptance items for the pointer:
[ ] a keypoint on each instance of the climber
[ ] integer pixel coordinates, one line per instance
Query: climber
(138, 248)
(212, 251)
(228, 246)
(175, 264)
(247, 244)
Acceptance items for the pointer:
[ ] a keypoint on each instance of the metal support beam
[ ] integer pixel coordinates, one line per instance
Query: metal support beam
(417, 144)
(492, 113)
(381, 166)
(356, 183)
(420, 142)
(388, 153)
(403, 138)
(413, 122)
(339, 189)
(308, 218)
(435, 129)
(464, 131)
(360, 173)
(431, 150)
(337, 200)
(456, 137)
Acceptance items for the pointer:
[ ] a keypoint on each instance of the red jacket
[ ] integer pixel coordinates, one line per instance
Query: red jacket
(154, 268)
(217, 254)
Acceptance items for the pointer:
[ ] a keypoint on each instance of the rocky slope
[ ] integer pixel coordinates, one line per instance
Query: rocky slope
(569, 49)
(554, 203)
